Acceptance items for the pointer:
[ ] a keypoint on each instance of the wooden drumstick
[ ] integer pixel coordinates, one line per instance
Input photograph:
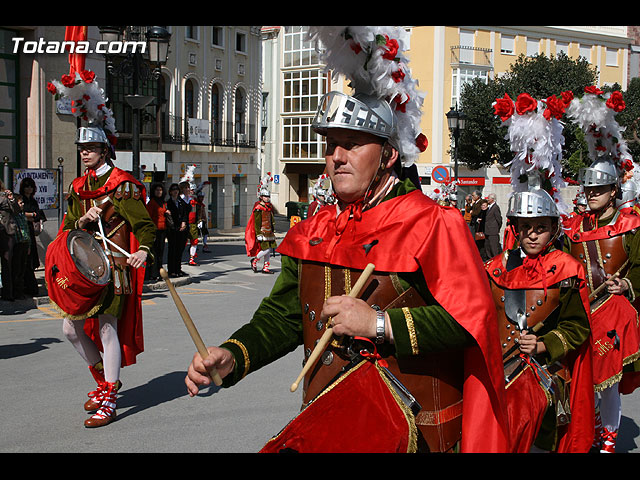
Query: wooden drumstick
(195, 336)
(328, 333)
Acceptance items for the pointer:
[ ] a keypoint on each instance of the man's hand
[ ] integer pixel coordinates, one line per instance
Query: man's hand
(92, 215)
(136, 260)
(350, 316)
(616, 286)
(219, 358)
(530, 345)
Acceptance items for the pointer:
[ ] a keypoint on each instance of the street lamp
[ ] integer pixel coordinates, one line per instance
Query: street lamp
(137, 68)
(456, 120)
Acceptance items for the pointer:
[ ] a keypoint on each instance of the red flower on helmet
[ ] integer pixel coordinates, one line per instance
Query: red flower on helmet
(52, 88)
(525, 103)
(355, 47)
(503, 107)
(87, 76)
(593, 90)
(400, 105)
(616, 102)
(397, 76)
(422, 142)
(68, 81)
(555, 108)
(392, 48)
(567, 96)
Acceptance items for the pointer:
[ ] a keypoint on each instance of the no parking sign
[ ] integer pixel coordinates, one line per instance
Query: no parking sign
(440, 174)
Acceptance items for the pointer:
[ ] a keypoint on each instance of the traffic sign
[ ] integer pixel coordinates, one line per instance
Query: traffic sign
(440, 174)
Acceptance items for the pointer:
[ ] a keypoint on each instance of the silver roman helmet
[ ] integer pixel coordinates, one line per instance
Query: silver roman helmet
(360, 112)
(91, 135)
(629, 194)
(535, 202)
(601, 172)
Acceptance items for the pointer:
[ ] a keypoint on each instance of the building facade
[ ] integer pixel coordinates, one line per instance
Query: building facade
(443, 59)
(204, 111)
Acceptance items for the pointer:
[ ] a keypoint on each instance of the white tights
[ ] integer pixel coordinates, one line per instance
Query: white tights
(266, 254)
(111, 358)
(610, 407)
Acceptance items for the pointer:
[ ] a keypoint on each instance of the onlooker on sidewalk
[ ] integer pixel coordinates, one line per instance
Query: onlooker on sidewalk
(8, 207)
(36, 218)
(157, 208)
(20, 261)
(176, 236)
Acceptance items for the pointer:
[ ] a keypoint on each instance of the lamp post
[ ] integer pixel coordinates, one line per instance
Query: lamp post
(456, 120)
(137, 66)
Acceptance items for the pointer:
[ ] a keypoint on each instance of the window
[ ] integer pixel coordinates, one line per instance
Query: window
(507, 44)
(612, 57)
(466, 46)
(216, 124)
(239, 112)
(303, 90)
(562, 47)
(533, 46)
(241, 42)
(461, 76)
(217, 36)
(189, 99)
(8, 98)
(585, 51)
(299, 142)
(298, 52)
(192, 33)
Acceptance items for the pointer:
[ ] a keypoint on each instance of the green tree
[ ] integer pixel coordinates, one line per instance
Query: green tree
(483, 140)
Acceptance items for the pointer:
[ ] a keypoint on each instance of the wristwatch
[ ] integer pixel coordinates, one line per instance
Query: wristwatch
(379, 326)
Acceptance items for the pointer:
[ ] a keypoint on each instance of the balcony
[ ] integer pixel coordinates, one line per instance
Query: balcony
(222, 134)
(465, 55)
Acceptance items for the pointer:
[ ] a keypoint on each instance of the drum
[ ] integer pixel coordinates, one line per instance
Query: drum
(361, 412)
(77, 273)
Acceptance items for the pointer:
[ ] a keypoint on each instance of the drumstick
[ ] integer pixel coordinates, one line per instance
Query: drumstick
(326, 336)
(122, 250)
(195, 336)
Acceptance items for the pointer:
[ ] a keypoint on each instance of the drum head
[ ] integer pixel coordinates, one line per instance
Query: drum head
(89, 257)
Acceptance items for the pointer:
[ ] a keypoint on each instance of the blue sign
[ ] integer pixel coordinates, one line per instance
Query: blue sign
(276, 179)
(440, 174)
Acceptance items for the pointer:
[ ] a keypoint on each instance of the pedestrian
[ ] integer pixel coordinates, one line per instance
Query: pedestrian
(540, 294)
(606, 242)
(107, 203)
(260, 233)
(187, 193)
(157, 208)
(492, 226)
(479, 235)
(412, 317)
(177, 233)
(468, 205)
(8, 207)
(21, 250)
(36, 218)
(322, 193)
(476, 198)
(202, 219)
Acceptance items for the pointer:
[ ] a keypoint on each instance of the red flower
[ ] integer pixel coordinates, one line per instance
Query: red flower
(392, 48)
(593, 89)
(398, 76)
(52, 88)
(422, 142)
(87, 76)
(627, 165)
(355, 47)
(616, 102)
(555, 108)
(503, 107)
(68, 81)
(525, 103)
(400, 105)
(567, 96)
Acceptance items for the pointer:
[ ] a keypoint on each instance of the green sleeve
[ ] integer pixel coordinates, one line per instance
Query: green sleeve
(73, 211)
(571, 330)
(257, 221)
(425, 329)
(275, 329)
(632, 247)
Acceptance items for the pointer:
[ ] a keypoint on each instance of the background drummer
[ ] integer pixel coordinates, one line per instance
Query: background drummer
(118, 329)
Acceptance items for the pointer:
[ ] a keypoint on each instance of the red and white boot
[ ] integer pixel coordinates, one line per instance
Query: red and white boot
(254, 264)
(608, 441)
(107, 411)
(265, 268)
(599, 430)
(97, 371)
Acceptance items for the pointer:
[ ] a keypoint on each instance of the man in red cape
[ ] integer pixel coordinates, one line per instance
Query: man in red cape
(259, 235)
(425, 263)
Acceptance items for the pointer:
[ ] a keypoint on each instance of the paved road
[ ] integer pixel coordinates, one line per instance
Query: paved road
(44, 382)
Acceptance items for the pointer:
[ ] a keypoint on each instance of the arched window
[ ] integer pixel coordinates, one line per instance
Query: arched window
(189, 99)
(216, 124)
(239, 112)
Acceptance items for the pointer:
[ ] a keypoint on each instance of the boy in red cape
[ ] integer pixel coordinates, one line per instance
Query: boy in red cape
(443, 350)
(106, 199)
(259, 236)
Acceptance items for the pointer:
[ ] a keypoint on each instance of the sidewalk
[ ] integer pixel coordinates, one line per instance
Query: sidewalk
(235, 235)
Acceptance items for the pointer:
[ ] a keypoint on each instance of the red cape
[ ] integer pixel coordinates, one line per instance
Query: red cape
(624, 223)
(251, 243)
(413, 232)
(577, 437)
(130, 331)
